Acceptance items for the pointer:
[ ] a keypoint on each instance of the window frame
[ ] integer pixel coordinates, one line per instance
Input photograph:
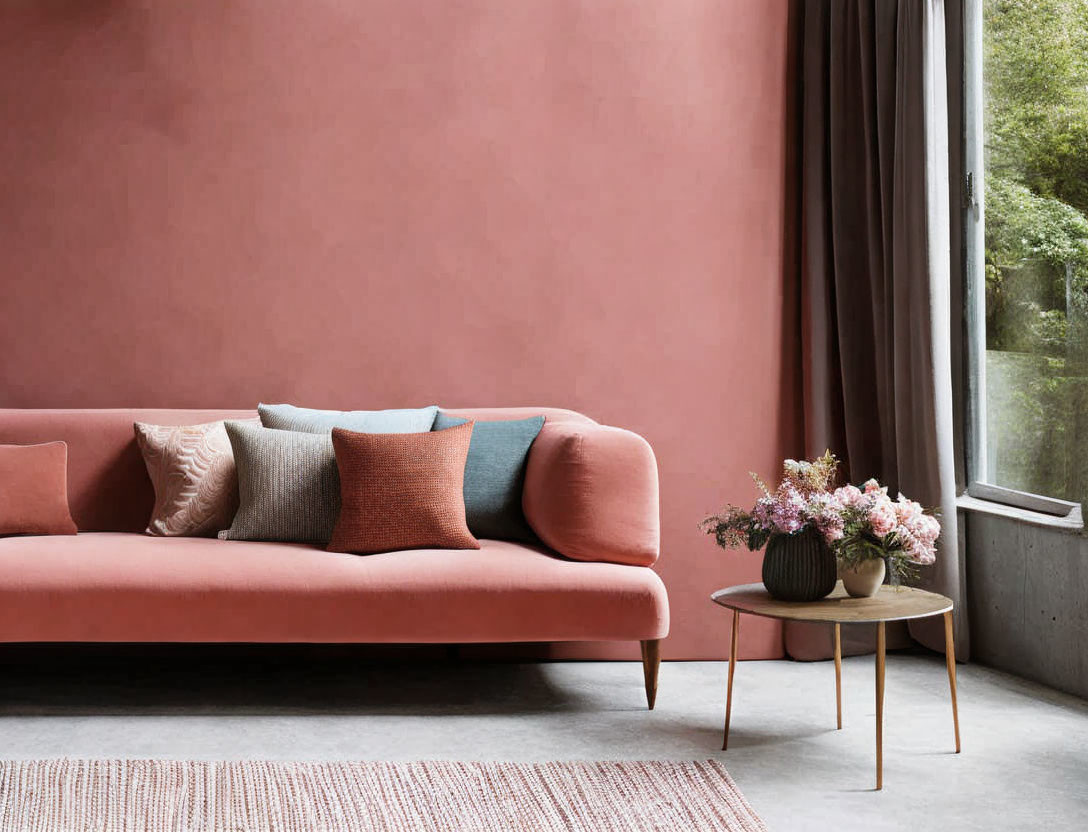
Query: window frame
(981, 494)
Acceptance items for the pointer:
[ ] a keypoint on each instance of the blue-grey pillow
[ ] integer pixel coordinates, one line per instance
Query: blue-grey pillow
(307, 420)
(495, 474)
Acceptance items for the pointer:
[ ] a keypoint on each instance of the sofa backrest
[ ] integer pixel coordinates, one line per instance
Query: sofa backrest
(108, 485)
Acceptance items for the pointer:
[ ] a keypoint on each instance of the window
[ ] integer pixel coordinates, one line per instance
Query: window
(1027, 153)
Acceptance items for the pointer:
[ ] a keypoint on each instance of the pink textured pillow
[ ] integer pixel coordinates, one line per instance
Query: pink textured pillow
(192, 470)
(34, 489)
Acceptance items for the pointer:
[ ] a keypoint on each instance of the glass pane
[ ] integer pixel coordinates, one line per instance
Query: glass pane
(1035, 69)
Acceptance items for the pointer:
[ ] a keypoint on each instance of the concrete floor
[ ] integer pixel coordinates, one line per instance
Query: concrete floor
(1025, 748)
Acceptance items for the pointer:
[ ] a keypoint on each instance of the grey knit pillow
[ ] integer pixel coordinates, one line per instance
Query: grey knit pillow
(288, 485)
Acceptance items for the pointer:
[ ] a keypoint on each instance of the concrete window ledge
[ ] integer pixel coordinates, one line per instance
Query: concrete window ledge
(1072, 522)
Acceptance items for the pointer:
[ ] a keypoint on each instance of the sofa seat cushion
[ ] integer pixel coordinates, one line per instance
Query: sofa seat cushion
(116, 586)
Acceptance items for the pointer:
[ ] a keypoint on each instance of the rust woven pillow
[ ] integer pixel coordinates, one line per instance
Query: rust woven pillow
(34, 489)
(401, 491)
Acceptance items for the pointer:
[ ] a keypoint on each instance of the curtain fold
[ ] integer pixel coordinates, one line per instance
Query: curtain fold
(875, 266)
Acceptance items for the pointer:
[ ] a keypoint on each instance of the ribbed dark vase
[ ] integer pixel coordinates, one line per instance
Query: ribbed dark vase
(798, 567)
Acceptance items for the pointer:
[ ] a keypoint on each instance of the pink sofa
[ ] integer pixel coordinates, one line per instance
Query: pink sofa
(590, 494)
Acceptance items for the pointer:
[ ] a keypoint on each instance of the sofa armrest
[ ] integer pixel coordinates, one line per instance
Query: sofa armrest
(591, 493)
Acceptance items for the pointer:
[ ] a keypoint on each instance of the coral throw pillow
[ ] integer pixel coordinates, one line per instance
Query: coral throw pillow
(192, 470)
(402, 491)
(34, 489)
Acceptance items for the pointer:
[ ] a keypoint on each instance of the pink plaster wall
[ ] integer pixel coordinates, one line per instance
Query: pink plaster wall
(574, 203)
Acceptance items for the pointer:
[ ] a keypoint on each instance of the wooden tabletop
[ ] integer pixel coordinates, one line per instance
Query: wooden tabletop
(889, 604)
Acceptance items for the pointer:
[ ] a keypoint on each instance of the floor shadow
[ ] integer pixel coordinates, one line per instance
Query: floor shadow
(709, 737)
(747, 738)
(225, 680)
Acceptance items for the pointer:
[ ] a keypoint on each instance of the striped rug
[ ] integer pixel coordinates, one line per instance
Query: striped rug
(180, 796)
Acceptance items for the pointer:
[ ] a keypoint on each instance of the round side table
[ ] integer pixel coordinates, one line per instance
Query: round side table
(889, 604)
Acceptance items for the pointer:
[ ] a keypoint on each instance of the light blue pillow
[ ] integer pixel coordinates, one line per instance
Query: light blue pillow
(289, 417)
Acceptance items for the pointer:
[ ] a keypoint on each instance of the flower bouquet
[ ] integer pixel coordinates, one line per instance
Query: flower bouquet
(809, 525)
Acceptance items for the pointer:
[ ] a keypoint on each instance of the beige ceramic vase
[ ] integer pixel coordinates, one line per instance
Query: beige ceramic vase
(863, 579)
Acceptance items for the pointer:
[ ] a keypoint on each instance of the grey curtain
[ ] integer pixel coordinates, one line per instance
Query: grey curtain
(875, 265)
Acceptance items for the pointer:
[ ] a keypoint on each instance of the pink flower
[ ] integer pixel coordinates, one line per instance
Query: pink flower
(882, 516)
(762, 512)
(849, 495)
(930, 528)
(915, 548)
(787, 514)
(831, 526)
(872, 488)
(916, 531)
(907, 510)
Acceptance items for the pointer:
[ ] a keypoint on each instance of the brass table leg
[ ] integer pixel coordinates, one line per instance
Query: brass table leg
(729, 684)
(838, 677)
(880, 705)
(950, 659)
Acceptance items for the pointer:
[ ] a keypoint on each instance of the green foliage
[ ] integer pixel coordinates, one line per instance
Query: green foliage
(1036, 69)
(1031, 242)
(1021, 225)
(734, 527)
(857, 547)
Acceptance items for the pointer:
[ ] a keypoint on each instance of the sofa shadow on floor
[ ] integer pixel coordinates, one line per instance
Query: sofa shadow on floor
(202, 679)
